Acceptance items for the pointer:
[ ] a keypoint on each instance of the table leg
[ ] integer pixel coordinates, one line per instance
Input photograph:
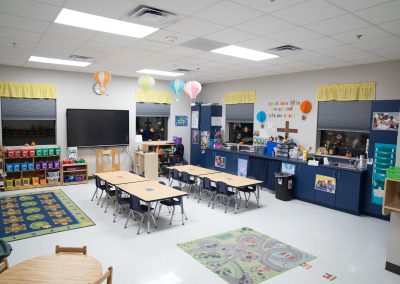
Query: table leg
(148, 217)
(236, 199)
(258, 195)
(182, 211)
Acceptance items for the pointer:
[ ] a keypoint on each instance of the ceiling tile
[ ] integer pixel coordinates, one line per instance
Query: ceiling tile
(60, 40)
(105, 8)
(101, 47)
(356, 56)
(29, 9)
(51, 2)
(68, 31)
(392, 27)
(378, 43)
(54, 51)
(319, 43)
(232, 13)
(6, 48)
(382, 13)
(369, 33)
(19, 34)
(268, 6)
(337, 25)
(391, 53)
(130, 52)
(183, 51)
(343, 49)
(295, 35)
(106, 38)
(355, 5)
(309, 12)
(265, 25)
(180, 6)
(150, 45)
(96, 54)
(163, 36)
(196, 27)
(21, 23)
(230, 36)
(260, 43)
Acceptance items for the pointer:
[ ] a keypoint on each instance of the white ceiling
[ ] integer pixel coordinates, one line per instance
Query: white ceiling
(326, 30)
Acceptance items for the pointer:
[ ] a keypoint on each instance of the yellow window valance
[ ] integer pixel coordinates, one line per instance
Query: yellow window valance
(241, 97)
(158, 97)
(347, 92)
(28, 90)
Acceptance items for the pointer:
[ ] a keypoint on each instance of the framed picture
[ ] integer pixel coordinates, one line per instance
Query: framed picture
(195, 137)
(220, 162)
(181, 120)
(385, 121)
(325, 183)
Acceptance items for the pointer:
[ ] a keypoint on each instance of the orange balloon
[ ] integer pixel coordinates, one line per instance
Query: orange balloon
(305, 106)
(102, 78)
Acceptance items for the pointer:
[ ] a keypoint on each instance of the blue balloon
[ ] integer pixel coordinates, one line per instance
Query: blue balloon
(177, 86)
(261, 116)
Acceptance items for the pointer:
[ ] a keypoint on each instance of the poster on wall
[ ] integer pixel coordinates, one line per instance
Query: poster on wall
(181, 120)
(216, 121)
(195, 137)
(205, 139)
(325, 183)
(220, 162)
(386, 121)
(242, 167)
(288, 168)
(195, 119)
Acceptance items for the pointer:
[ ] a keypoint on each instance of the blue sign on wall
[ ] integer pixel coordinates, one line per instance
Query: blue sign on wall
(181, 120)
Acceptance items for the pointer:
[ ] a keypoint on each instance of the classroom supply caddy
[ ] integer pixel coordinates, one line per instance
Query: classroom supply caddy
(74, 172)
(28, 167)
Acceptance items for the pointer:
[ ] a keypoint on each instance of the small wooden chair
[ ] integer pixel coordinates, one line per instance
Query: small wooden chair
(107, 275)
(82, 250)
(3, 265)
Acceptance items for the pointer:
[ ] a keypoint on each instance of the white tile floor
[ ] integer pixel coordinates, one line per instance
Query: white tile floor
(351, 247)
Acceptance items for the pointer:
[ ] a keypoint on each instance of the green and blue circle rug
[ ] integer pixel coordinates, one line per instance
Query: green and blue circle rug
(39, 213)
(245, 256)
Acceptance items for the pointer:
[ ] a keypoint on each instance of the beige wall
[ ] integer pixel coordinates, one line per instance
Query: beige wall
(75, 91)
(303, 86)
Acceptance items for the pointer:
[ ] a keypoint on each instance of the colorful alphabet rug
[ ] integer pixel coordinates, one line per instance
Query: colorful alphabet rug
(39, 213)
(245, 256)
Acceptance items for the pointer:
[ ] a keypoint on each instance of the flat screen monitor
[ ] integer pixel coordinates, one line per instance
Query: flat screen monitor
(94, 127)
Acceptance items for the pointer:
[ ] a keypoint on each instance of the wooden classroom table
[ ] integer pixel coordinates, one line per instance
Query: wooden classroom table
(193, 170)
(236, 182)
(58, 268)
(120, 177)
(152, 191)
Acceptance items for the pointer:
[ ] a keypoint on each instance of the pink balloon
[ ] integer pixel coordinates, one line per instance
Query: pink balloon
(192, 89)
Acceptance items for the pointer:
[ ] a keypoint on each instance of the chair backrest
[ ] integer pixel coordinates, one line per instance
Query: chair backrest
(3, 265)
(107, 187)
(161, 182)
(222, 188)
(118, 195)
(82, 250)
(175, 174)
(100, 183)
(206, 183)
(5, 249)
(177, 187)
(134, 204)
(185, 177)
(107, 275)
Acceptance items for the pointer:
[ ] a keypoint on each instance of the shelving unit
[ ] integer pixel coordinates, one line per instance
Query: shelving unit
(2, 174)
(74, 172)
(146, 164)
(391, 197)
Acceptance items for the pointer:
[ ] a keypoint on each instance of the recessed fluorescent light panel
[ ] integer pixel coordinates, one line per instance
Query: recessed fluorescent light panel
(158, 72)
(102, 24)
(245, 53)
(59, 61)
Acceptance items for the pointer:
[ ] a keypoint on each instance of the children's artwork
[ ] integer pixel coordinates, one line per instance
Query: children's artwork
(220, 162)
(283, 109)
(288, 168)
(242, 167)
(181, 120)
(73, 152)
(195, 119)
(195, 137)
(325, 183)
(216, 121)
(386, 121)
(205, 139)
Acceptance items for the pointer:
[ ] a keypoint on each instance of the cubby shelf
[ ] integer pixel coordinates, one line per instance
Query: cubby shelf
(391, 197)
(80, 169)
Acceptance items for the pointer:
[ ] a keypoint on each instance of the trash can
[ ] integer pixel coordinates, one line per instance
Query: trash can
(284, 186)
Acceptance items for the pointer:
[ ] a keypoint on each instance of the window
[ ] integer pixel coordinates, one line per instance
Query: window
(239, 118)
(27, 120)
(152, 121)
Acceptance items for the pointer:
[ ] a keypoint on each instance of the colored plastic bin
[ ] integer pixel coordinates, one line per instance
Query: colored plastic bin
(24, 166)
(39, 152)
(31, 166)
(45, 152)
(9, 168)
(16, 167)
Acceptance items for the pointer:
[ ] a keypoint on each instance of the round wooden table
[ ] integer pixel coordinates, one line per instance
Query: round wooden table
(57, 268)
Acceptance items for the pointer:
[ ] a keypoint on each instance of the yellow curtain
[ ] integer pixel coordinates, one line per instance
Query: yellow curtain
(28, 90)
(153, 97)
(241, 97)
(347, 92)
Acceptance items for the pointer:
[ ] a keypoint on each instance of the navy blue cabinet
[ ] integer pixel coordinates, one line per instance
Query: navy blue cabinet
(304, 182)
(348, 191)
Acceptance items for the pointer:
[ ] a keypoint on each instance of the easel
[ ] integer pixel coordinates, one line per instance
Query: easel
(115, 162)
(287, 130)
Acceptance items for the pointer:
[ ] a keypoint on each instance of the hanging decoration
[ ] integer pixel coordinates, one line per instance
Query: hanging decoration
(192, 89)
(146, 82)
(261, 117)
(305, 108)
(177, 87)
(102, 78)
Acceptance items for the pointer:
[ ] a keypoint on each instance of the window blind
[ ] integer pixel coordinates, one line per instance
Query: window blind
(240, 113)
(28, 109)
(151, 109)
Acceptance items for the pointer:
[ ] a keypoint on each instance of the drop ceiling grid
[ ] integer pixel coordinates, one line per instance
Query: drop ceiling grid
(33, 30)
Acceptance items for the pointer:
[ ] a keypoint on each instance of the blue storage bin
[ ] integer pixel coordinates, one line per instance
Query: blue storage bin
(17, 167)
(31, 166)
(9, 168)
(24, 166)
(269, 151)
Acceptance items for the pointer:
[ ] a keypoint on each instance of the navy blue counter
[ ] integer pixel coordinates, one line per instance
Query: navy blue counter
(349, 182)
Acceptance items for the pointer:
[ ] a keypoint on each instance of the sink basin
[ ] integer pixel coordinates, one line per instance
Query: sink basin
(343, 165)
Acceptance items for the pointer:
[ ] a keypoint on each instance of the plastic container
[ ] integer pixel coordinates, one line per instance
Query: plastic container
(270, 148)
(393, 173)
(10, 182)
(35, 180)
(11, 153)
(284, 186)
(38, 166)
(9, 168)
(24, 153)
(17, 153)
(56, 164)
(24, 167)
(42, 181)
(26, 181)
(31, 166)
(31, 152)
(17, 182)
(57, 151)
(50, 165)
(44, 165)
(45, 152)
(79, 178)
(39, 152)
(16, 167)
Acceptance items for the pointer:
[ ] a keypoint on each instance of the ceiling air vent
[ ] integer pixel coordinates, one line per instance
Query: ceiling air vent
(284, 50)
(150, 16)
(184, 70)
(79, 57)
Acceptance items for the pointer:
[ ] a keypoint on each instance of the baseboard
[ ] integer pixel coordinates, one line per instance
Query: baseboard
(392, 267)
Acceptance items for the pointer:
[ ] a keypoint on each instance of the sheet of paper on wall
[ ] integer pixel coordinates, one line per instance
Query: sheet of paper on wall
(216, 121)
(195, 119)
(138, 138)
(270, 125)
(73, 152)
